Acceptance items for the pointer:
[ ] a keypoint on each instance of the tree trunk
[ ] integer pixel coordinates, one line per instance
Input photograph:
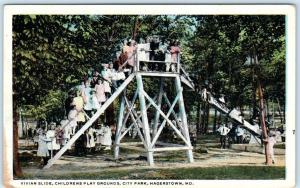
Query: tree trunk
(254, 86)
(203, 115)
(262, 120)
(215, 121)
(220, 118)
(263, 125)
(242, 110)
(135, 28)
(226, 121)
(283, 113)
(198, 127)
(280, 113)
(206, 119)
(17, 171)
(268, 110)
(273, 113)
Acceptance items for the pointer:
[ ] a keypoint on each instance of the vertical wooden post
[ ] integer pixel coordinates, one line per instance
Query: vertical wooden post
(263, 125)
(183, 116)
(157, 114)
(262, 119)
(119, 127)
(145, 119)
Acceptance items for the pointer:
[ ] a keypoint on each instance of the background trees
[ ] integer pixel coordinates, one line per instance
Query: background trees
(51, 54)
(224, 50)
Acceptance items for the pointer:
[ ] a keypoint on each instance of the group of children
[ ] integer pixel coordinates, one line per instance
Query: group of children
(82, 102)
(153, 54)
(50, 141)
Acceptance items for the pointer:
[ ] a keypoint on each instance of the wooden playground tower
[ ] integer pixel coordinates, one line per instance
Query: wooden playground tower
(150, 141)
(148, 135)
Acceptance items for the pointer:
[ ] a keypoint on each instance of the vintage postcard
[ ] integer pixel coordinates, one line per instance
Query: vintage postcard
(149, 96)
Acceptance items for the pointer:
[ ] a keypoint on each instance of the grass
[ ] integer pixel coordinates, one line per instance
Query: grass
(210, 173)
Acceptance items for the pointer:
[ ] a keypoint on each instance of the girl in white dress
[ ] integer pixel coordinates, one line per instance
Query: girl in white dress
(147, 49)
(42, 147)
(99, 134)
(106, 74)
(107, 138)
(66, 131)
(51, 135)
(168, 58)
(100, 92)
(96, 104)
(141, 50)
(72, 120)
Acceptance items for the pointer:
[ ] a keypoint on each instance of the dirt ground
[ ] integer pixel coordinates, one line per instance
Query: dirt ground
(206, 154)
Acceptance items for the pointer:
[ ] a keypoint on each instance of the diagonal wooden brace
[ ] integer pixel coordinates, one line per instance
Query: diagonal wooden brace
(164, 116)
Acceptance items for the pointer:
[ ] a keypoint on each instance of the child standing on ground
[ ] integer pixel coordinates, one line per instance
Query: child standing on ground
(271, 142)
(42, 147)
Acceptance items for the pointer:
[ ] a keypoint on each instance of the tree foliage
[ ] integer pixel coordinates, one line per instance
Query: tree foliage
(223, 46)
(53, 53)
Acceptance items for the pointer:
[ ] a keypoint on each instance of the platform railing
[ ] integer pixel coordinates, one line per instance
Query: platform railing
(146, 63)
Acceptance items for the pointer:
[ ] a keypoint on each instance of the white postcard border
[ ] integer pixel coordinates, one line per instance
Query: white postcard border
(287, 10)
